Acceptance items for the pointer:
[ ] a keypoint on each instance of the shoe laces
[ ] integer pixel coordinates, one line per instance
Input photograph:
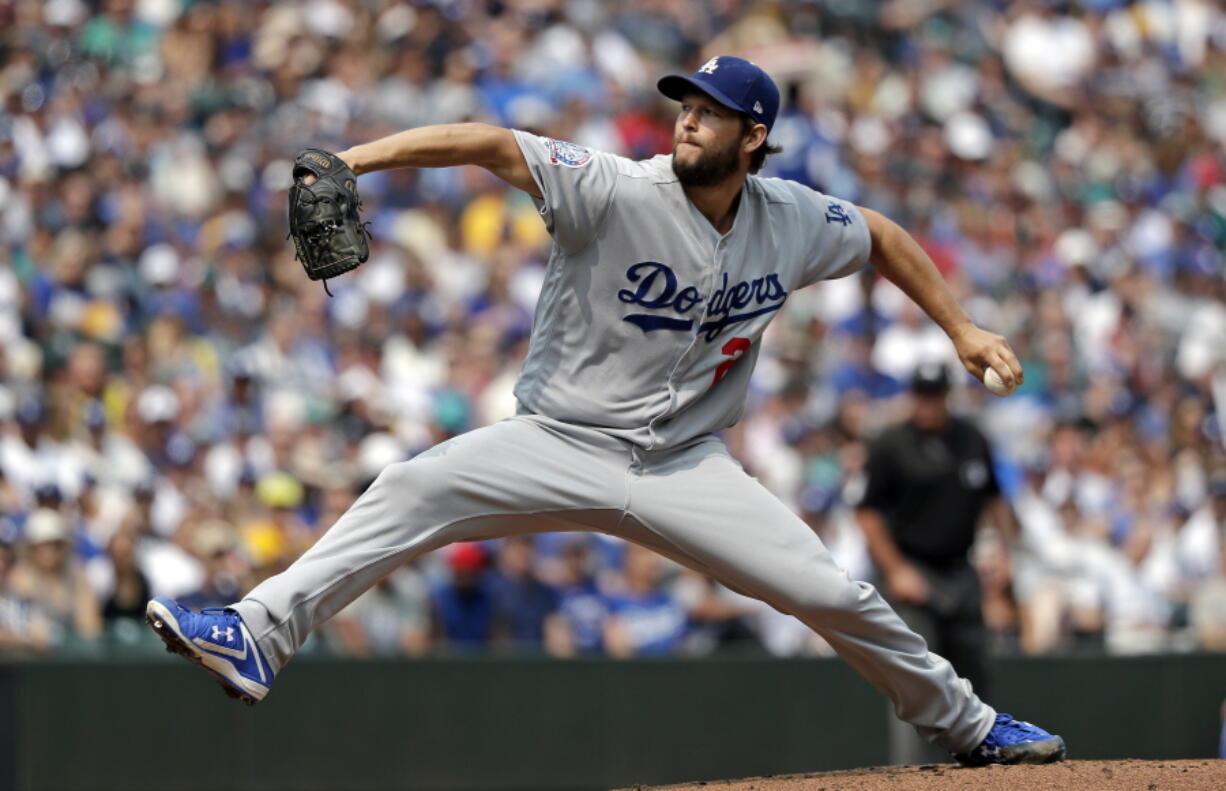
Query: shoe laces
(218, 611)
(1007, 730)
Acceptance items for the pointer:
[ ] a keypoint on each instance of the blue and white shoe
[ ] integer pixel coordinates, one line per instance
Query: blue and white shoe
(218, 641)
(1015, 742)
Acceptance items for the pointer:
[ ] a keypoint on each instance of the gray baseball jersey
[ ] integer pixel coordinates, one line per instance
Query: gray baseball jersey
(648, 326)
(650, 322)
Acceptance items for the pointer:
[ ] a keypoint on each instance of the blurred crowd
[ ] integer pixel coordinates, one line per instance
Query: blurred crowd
(183, 413)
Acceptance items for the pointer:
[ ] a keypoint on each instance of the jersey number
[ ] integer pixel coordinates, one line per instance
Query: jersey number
(734, 348)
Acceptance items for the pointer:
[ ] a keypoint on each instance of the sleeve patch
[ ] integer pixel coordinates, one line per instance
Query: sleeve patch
(836, 213)
(568, 154)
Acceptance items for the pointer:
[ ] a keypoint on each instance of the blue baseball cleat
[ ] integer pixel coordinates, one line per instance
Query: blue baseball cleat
(218, 641)
(1015, 742)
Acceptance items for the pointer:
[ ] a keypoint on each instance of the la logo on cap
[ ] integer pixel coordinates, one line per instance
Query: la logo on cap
(710, 66)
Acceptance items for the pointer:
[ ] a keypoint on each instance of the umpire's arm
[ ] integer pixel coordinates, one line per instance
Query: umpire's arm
(898, 257)
(903, 581)
(447, 145)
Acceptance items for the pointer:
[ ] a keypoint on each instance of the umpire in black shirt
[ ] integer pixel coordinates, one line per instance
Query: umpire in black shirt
(929, 481)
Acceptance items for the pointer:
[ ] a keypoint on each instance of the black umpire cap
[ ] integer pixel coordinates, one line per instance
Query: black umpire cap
(930, 378)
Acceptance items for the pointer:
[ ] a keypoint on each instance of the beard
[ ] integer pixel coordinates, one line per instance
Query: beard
(712, 166)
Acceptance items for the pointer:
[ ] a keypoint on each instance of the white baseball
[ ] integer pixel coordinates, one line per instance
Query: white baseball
(994, 383)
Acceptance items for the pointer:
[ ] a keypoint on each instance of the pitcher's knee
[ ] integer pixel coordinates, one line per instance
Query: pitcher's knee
(396, 475)
(408, 482)
(827, 596)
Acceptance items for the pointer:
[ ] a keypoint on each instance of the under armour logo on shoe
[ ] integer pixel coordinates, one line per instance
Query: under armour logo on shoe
(228, 632)
(710, 66)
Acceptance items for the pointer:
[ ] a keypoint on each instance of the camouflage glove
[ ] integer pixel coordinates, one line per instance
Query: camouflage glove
(329, 236)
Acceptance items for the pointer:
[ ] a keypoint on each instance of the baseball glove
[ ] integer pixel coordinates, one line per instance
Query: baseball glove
(329, 236)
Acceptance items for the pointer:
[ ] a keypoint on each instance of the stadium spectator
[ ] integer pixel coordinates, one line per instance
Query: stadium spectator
(645, 618)
(524, 602)
(464, 605)
(576, 628)
(1057, 599)
(51, 580)
(23, 628)
(391, 619)
(129, 590)
(214, 544)
(1207, 607)
(718, 618)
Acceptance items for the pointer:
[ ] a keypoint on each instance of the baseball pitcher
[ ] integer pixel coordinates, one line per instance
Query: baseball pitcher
(664, 274)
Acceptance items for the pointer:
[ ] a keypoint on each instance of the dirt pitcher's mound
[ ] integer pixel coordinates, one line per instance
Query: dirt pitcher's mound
(1131, 775)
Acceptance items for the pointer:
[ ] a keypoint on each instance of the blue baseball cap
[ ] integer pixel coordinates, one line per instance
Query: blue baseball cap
(733, 82)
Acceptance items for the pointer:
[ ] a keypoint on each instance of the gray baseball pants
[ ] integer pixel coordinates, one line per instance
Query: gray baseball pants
(694, 504)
